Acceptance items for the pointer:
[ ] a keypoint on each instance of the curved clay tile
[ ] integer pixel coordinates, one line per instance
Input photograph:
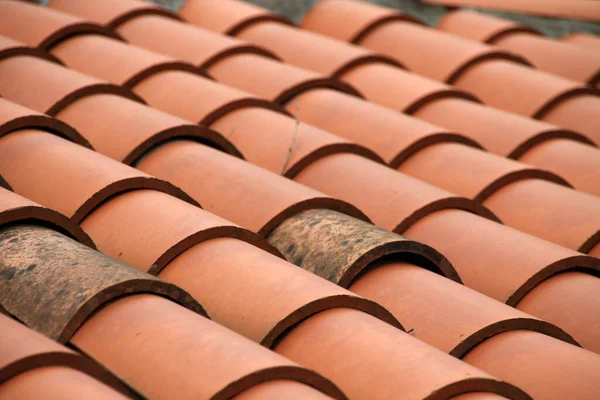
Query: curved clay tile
(421, 373)
(398, 89)
(29, 162)
(352, 21)
(471, 172)
(480, 27)
(493, 259)
(499, 132)
(578, 163)
(449, 316)
(56, 383)
(339, 248)
(373, 262)
(549, 55)
(185, 42)
(11, 48)
(226, 16)
(447, 56)
(308, 50)
(287, 146)
(565, 9)
(14, 117)
(47, 87)
(570, 300)
(148, 229)
(96, 281)
(134, 336)
(272, 391)
(206, 101)
(226, 273)
(241, 125)
(110, 12)
(532, 365)
(579, 113)
(115, 61)
(551, 212)
(26, 352)
(238, 191)
(392, 135)
(392, 200)
(16, 209)
(45, 27)
(525, 91)
(156, 29)
(273, 80)
(582, 39)
(104, 119)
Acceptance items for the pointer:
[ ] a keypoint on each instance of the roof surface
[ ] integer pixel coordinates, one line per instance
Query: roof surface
(220, 204)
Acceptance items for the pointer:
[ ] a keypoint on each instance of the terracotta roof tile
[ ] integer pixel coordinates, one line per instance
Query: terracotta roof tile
(584, 40)
(32, 363)
(447, 57)
(50, 87)
(449, 166)
(138, 21)
(354, 254)
(556, 380)
(83, 289)
(538, 207)
(14, 209)
(274, 198)
(562, 59)
(429, 100)
(570, 9)
(305, 343)
(548, 302)
(11, 48)
(147, 128)
(509, 84)
(14, 117)
(110, 12)
(115, 358)
(340, 248)
(145, 233)
(88, 177)
(226, 17)
(56, 383)
(114, 61)
(45, 27)
(394, 283)
(231, 363)
(270, 79)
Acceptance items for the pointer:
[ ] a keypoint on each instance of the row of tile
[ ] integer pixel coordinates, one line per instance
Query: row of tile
(96, 47)
(560, 58)
(499, 78)
(78, 305)
(500, 132)
(502, 298)
(33, 366)
(569, 9)
(136, 232)
(517, 88)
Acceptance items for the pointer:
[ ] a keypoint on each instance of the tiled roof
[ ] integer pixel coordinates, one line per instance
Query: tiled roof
(299, 162)
(572, 9)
